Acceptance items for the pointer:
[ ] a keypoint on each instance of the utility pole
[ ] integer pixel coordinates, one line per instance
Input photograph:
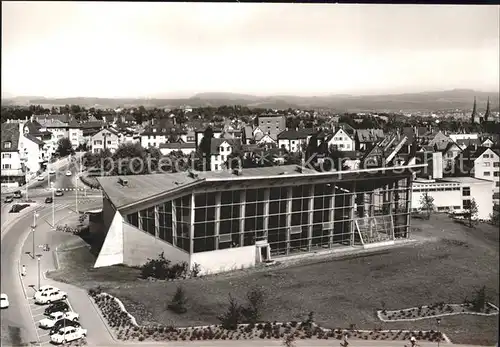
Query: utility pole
(33, 232)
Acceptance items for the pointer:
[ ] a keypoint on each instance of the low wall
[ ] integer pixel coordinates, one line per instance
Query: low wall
(224, 259)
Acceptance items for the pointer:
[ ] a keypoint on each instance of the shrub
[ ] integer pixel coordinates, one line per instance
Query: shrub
(232, 317)
(195, 271)
(252, 312)
(178, 304)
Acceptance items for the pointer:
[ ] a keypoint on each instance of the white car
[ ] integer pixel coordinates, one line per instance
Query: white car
(68, 334)
(4, 300)
(50, 321)
(50, 297)
(44, 289)
(68, 173)
(40, 178)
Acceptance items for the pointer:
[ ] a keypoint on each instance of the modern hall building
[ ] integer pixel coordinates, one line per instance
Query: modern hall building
(226, 220)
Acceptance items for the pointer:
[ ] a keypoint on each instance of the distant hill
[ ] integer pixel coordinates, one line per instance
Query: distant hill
(425, 101)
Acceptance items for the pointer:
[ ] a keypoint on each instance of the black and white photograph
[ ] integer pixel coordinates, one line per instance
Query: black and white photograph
(250, 174)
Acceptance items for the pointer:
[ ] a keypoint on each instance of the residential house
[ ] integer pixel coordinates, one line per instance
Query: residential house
(272, 124)
(220, 150)
(154, 136)
(33, 153)
(266, 140)
(187, 148)
(75, 134)
(56, 127)
(481, 163)
(89, 129)
(12, 171)
(438, 141)
(106, 138)
(366, 138)
(463, 136)
(188, 137)
(487, 142)
(248, 136)
(35, 129)
(451, 151)
(295, 140)
(464, 143)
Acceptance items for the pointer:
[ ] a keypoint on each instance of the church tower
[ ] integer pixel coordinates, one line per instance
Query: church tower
(473, 115)
(487, 113)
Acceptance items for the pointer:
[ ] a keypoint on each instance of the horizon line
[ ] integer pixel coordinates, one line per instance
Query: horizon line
(277, 94)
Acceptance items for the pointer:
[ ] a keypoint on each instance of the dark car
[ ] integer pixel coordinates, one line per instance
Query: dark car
(18, 195)
(61, 323)
(48, 200)
(59, 192)
(8, 199)
(16, 208)
(60, 306)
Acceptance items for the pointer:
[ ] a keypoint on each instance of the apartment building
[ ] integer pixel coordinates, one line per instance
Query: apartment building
(33, 153)
(272, 124)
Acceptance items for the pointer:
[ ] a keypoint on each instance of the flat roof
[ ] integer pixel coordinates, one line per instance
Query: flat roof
(466, 179)
(142, 188)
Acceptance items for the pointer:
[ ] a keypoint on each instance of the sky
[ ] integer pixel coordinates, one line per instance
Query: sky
(133, 49)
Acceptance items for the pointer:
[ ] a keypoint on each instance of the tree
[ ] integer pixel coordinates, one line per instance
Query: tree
(205, 146)
(179, 301)
(427, 204)
(471, 211)
(232, 317)
(64, 147)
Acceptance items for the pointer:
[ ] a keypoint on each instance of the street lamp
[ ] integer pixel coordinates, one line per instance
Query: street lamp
(38, 257)
(438, 321)
(53, 206)
(35, 215)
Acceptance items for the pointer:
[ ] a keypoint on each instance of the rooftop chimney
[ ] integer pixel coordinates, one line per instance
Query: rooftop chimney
(123, 181)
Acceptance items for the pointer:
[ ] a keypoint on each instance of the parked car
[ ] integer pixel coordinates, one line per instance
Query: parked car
(50, 321)
(68, 334)
(8, 199)
(61, 323)
(59, 192)
(60, 306)
(40, 178)
(4, 300)
(44, 289)
(52, 172)
(68, 173)
(48, 200)
(50, 297)
(18, 195)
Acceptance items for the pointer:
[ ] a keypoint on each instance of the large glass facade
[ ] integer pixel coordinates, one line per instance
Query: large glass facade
(298, 218)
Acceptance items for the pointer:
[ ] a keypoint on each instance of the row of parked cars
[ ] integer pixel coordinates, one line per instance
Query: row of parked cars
(63, 323)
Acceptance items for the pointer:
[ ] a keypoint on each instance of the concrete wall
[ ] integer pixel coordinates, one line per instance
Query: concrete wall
(441, 198)
(481, 192)
(140, 246)
(108, 213)
(112, 249)
(224, 259)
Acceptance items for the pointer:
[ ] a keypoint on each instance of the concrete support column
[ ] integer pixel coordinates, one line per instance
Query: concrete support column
(243, 200)
(397, 219)
(266, 209)
(191, 225)
(217, 219)
(174, 223)
(139, 219)
(289, 195)
(371, 206)
(391, 198)
(353, 215)
(157, 221)
(331, 216)
(310, 217)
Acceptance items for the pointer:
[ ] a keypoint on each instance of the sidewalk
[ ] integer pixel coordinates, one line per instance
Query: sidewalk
(77, 297)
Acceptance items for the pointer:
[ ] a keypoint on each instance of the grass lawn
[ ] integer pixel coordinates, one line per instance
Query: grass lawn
(340, 291)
